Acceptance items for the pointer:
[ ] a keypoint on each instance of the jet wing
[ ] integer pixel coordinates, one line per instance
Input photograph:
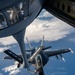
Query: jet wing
(57, 52)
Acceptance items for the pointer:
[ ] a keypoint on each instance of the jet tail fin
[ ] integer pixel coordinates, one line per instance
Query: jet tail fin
(47, 47)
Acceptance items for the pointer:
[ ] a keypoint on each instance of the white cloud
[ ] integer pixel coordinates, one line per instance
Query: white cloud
(11, 69)
(14, 72)
(7, 41)
(53, 30)
(4, 48)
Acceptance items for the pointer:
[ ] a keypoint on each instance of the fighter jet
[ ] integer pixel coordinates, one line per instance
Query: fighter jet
(37, 57)
(16, 15)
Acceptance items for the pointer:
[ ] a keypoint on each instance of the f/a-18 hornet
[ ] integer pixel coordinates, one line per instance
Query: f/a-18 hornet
(37, 57)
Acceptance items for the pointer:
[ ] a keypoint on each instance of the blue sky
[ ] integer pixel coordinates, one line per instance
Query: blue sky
(57, 34)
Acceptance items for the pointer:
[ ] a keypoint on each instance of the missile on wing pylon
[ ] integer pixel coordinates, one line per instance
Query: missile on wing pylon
(14, 56)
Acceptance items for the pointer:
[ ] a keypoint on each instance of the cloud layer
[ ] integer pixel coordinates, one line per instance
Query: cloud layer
(7, 41)
(52, 28)
(12, 69)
